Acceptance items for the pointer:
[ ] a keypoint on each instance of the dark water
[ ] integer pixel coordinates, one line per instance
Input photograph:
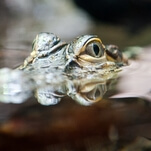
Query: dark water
(118, 118)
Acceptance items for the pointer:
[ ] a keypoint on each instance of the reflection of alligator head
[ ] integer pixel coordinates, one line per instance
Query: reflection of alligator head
(85, 91)
(54, 68)
(17, 86)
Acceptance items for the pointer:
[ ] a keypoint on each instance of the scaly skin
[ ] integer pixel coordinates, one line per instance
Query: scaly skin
(83, 54)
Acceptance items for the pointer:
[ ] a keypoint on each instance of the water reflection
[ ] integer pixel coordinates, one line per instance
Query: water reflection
(17, 86)
(87, 91)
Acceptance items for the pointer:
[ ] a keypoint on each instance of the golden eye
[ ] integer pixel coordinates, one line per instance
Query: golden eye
(94, 49)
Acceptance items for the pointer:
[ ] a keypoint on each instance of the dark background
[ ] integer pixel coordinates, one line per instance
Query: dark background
(124, 23)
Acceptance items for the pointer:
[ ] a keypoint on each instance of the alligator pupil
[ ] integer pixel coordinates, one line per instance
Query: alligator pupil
(96, 49)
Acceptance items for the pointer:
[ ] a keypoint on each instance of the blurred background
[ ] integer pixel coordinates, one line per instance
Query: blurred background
(124, 23)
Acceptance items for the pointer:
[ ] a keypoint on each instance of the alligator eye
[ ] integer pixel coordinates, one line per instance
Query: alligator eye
(94, 50)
